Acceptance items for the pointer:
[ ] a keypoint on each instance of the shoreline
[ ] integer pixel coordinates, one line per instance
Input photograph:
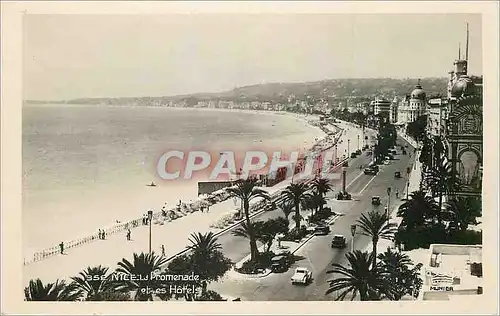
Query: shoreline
(171, 201)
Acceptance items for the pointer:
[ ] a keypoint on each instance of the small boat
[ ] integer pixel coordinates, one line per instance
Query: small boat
(152, 184)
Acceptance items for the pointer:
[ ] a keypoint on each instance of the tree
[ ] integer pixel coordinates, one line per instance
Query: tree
(376, 225)
(246, 190)
(57, 291)
(94, 284)
(359, 278)
(321, 185)
(464, 211)
(296, 193)
(441, 181)
(206, 261)
(142, 267)
(287, 208)
(419, 209)
(404, 278)
(270, 228)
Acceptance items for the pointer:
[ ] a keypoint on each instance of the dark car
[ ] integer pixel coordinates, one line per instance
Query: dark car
(338, 241)
(358, 152)
(353, 155)
(370, 171)
(321, 230)
(376, 200)
(397, 174)
(280, 263)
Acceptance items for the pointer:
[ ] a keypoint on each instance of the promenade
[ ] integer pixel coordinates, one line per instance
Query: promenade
(173, 235)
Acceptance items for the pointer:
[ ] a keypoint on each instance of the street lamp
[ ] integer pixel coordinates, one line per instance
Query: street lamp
(335, 153)
(150, 217)
(348, 142)
(358, 142)
(353, 232)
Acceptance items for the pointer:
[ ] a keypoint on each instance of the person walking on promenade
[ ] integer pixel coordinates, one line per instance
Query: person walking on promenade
(397, 193)
(61, 247)
(103, 234)
(100, 234)
(163, 250)
(128, 234)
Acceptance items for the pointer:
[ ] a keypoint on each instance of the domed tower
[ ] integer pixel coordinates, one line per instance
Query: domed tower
(464, 86)
(417, 102)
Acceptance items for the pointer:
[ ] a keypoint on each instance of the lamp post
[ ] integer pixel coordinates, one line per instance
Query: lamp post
(408, 170)
(150, 219)
(348, 143)
(353, 232)
(335, 153)
(358, 142)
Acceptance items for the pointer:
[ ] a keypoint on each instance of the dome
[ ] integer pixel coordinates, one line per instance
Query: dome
(463, 86)
(418, 93)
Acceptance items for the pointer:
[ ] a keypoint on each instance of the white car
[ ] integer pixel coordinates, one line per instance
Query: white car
(301, 276)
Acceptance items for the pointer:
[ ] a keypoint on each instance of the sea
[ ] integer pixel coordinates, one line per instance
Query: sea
(87, 166)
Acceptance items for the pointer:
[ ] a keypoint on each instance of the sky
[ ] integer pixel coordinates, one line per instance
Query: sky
(72, 56)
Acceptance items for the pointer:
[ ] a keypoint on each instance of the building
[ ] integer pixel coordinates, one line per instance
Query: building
(393, 112)
(464, 129)
(411, 106)
(452, 270)
(381, 106)
(437, 114)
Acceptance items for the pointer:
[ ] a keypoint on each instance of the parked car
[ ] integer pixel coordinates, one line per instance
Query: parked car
(376, 200)
(339, 241)
(301, 276)
(321, 230)
(358, 152)
(280, 263)
(397, 174)
(353, 155)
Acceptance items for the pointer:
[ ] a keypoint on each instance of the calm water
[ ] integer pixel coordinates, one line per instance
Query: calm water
(86, 166)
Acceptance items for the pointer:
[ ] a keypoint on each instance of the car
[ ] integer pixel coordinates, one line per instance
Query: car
(358, 152)
(397, 174)
(339, 241)
(370, 171)
(301, 276)
(321, 230)
(353, 155)
(376, 200)
(280, 263)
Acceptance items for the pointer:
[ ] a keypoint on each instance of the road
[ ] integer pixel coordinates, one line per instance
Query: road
(317, 255)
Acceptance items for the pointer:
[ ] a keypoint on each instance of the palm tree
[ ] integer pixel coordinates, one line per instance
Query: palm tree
(94, 284)
(417, 210)
(57, 291)
(397, 265)
(321, 185)
(441, 181)
(376, 225)
(463, 211)
(246, 190)
(142, 267)
(317, 202)
(207, 260)
(296, 193)
(358, 278)
(244, 231)
(287, 208)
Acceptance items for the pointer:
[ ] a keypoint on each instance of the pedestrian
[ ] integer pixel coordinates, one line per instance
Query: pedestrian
(61, 247)
(103, 234)
(128, 234)
(163, 250)
(397, 193)
(100, 234)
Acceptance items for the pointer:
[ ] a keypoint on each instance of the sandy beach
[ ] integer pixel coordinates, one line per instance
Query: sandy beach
(66, 215)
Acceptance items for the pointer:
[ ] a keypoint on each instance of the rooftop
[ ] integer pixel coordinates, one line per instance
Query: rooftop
(452, 270)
